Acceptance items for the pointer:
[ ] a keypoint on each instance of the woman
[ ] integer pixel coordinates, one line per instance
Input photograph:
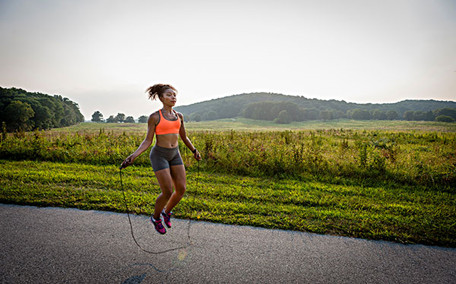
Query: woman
(167, 125)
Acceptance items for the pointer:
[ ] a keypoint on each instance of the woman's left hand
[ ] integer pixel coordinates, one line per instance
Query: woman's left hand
(197, 155)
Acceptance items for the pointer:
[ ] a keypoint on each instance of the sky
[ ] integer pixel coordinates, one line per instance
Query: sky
(104, 54)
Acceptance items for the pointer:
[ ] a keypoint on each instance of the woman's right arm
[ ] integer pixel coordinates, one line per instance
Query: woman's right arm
(145, 144)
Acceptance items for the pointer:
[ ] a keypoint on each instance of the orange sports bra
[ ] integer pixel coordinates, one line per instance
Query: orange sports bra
(165, 126)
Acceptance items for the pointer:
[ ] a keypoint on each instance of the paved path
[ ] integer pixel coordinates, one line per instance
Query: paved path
(53, 245)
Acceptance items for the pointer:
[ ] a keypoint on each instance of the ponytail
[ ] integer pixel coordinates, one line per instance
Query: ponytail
(157, 90)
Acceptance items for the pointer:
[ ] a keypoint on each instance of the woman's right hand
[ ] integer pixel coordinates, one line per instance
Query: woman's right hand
(128, 161)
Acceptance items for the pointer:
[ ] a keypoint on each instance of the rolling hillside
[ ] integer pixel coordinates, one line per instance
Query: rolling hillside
(234, 106)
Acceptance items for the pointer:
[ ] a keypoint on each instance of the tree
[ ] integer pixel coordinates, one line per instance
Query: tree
(429, 116)
(55, 109)
(451, 112)
(259, 110)
(211, 115)
(409, 115)
(59, 112)
(419, 115)
(283, 117)
(270, 110)
(71, 113)
(309, 114)
(379, 114)
(338, 114)
(112, 119)
(360, 114)
(69, 117)
(326, 115)
(97, 116)
(292, 109)
(120, 117)
(196, 117)
(392, 115)
(4, 131)
(129, 119)
(143, 119)
(43, 117)
(18, 116)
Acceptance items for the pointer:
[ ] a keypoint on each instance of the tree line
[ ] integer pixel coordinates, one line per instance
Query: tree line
(23, 111)
(286, 112)
(285, 109)
(97, 116)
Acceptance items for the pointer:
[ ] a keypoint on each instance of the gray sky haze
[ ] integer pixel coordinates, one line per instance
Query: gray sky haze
(104, 54)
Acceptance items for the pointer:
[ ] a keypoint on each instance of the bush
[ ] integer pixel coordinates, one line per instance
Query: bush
(444, 118)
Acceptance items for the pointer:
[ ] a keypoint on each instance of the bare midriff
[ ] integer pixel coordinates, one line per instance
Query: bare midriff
(167, 140)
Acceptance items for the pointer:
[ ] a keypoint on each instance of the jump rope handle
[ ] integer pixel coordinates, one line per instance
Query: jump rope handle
(122, 166)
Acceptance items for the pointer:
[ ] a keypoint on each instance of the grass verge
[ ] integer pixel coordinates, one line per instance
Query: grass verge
(390, 212)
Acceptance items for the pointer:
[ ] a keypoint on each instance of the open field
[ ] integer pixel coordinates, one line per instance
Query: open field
(259, 125)
(244, 124)
(379, 184)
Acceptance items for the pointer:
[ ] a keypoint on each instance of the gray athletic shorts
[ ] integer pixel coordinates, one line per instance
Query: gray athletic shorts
(162, 158)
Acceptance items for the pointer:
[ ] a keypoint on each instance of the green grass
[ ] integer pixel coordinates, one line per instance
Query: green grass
(90, 127)
(391, 212)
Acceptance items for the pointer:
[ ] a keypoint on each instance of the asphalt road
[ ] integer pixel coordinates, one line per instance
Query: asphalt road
(54, 245)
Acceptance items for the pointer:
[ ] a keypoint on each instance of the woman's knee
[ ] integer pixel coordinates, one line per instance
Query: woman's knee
(180, 189)
(167, 192)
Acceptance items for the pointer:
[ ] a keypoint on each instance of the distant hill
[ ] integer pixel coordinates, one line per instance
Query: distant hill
(300, 108)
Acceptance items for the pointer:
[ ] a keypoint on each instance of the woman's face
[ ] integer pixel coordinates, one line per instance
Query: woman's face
(169, 97)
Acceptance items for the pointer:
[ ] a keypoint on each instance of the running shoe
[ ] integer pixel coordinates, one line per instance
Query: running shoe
(158, 225)
(167, 218)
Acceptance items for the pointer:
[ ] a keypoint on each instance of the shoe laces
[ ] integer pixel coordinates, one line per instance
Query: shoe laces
(167, 216)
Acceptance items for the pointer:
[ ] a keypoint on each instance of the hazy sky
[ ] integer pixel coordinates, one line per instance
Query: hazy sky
(104, 54)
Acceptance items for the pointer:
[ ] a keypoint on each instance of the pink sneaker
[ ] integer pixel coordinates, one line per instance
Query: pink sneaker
(158, 225)
(167, 218)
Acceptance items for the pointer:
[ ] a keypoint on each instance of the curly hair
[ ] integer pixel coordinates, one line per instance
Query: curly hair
(157, 90)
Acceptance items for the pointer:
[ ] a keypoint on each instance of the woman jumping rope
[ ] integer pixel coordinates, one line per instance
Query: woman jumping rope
(167, 125)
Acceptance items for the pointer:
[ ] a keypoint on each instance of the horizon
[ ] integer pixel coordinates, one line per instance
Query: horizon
(103, 55)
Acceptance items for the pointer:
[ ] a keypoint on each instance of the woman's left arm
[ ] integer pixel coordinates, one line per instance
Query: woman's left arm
(187, 142)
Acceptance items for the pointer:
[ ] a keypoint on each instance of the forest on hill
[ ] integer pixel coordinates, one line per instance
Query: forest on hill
(23, 111)
(285, 109)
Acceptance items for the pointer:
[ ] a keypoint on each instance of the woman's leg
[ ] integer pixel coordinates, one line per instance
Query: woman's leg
(179, 179)
(166, 185)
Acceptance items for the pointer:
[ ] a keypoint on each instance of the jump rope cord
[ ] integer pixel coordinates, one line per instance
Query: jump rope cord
(131, 225)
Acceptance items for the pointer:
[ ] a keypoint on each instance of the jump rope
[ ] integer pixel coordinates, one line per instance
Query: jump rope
(189, 242)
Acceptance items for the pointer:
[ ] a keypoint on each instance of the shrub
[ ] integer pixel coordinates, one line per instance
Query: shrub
(444, 118)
